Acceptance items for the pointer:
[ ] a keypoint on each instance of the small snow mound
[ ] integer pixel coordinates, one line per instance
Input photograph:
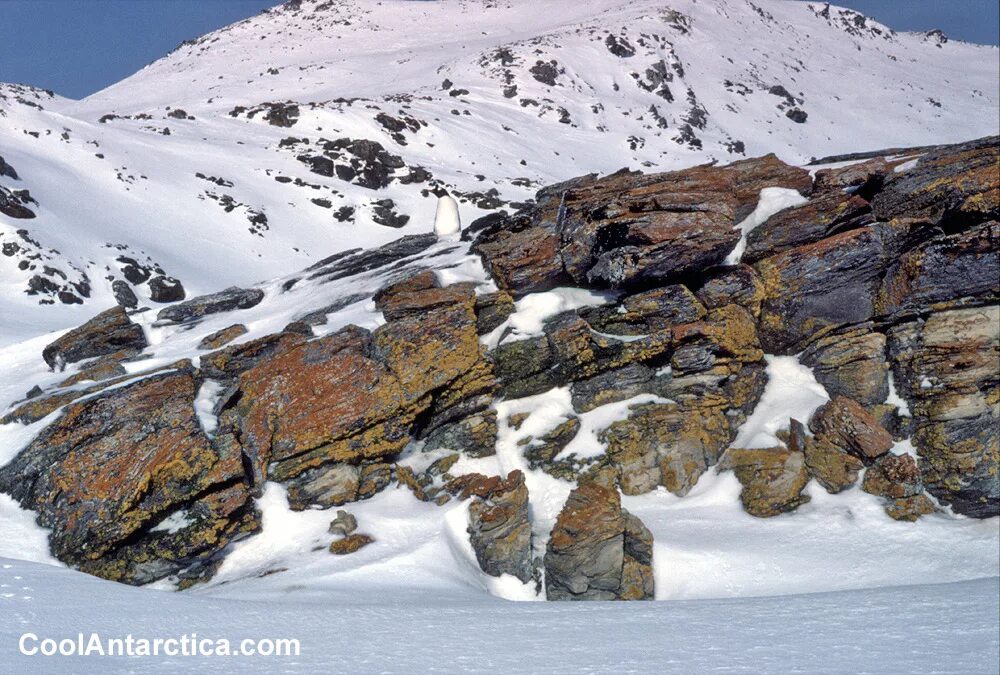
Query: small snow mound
(447, 221)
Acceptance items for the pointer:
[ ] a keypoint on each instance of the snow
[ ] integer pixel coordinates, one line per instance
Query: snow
(533, 310)
(791, 392)
(951, 628)
(895, 399)
(772, 200)
(446, 219)
(174, 523)
(204, 406)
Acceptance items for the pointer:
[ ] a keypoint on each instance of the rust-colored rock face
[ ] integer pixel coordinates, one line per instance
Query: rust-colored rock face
(629, 229)
(772, 479)
(112, 468)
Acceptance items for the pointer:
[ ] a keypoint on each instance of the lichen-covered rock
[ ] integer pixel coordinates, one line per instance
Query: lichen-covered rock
(910, 508)
(475, 435)
(597, 550)
(864, 178)
(772, 479)
(893, 476)
(832, 467)
(230, 362)
(492, 309)
(499, 529)
(813, 288)
(614, 385)
(665, 444)
(130, 485)
(953, 181)
(350, 544)
(851, 363)
(954, 270)
(223, 337)
(946, 369)
(224, 301)
(108, 332)
(737, 285)
(419, 293)
(845, 424)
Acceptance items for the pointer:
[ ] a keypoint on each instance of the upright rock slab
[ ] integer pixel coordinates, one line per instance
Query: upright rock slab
(597, 550)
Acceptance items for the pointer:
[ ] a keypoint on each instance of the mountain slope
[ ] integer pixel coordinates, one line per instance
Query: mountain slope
(321, 126)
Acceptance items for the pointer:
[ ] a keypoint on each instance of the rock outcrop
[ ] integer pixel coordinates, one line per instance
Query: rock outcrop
(598, 550)
(108, 332)
(498, 526)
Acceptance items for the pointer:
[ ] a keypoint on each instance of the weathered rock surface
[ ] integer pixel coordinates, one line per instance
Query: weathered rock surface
(166, 289)
(223, 301)
(350, 544)
(597, 550)
(851, 363)
(223, 337)
(499, 528)
(845, 424)
(946, 369)
(130, 485)
(108, 332)
(628, 229)
(772, 479)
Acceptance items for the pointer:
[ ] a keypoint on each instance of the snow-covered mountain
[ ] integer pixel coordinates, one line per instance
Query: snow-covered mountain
(320, 125)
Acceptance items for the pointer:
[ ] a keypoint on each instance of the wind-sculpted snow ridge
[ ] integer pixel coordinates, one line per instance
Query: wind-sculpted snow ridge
(584, 400)
(319, 126)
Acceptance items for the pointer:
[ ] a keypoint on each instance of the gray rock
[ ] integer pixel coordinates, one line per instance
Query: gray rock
(344, 524)
(108, 332)
(223, 301)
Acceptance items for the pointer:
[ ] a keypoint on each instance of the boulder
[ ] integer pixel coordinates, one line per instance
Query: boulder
(628, 229)
(224, 301)
(124, 295)
(130, 486)
(893, 476)
(772, 479)
(845, 424)
(344, 524)
(108, 332)
(500, 531)
(419, 293)
(166, 289)
(597, 550)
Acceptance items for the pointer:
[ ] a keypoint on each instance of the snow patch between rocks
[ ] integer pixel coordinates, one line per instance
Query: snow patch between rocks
(772, 200)
(791, 391)
(533, 310)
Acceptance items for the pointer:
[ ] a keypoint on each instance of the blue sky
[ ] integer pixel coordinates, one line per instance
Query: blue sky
(76, 47)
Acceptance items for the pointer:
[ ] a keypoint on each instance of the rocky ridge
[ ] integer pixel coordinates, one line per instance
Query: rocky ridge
(884, 282)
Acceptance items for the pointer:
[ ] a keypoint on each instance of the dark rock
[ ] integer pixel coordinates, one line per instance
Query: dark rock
(737, 285)
(124, 295)
(165, 289)
(108, 332)
(612, 386)
(224, 301)
(893, 476)
(541, 452)
(647, 312)
(817, 219)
